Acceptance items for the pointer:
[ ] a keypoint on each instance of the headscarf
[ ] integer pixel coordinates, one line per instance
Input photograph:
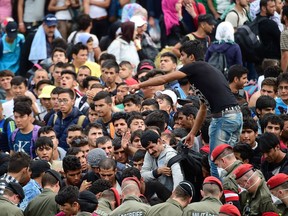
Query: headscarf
(83, 38)
(170, 14)
(127, 29)
(130, 10)
(225, 32)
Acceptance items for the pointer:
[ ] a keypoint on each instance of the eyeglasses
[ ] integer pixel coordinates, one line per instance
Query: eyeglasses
(64, 101)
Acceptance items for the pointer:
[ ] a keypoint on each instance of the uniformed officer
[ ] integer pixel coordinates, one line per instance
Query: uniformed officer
(180, 198)
(210, 204)
(226, 162)
(132, 205)
(278, 186)
(229, 210)
(258, 199)
(13, 195)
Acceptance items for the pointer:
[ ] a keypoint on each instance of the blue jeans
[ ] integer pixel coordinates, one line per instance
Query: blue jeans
(225, 129)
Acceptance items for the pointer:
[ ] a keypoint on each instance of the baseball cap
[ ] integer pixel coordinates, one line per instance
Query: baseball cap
(213, 180)
(39, 166)
(145, 64)
(187, 187)
(46, 91)
(218, 150)
(242, 170)
(50, 20)
(11, 29)
(190, 99)
(138, 20)
(16, 188)
(170, 93)
(95, 156)
(207, 18)
(57, 176)
(277, 180)
(230, 210)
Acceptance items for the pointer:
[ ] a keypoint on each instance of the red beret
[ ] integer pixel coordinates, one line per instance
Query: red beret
(270, 214)
(241, 170)
(213, 180)
(218, 150)
(230, 210)
(205, 149)
(117, 196)
(277, 180)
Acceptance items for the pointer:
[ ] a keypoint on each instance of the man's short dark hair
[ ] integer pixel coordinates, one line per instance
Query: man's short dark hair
(68, 194)
(148, 137)
(270, 81)
(187, 110)
(88, 79)
(250, 123)
(77, 47)
(99, 186)
(265, 101)
(139, 155)
(268, 141)
(58, 49)
(263, 3)
(116, 142)
(150, 102)
(272, 71)
(245, 151)
(273, 119)
(44, 130)
(79, 142)
(193, 47)
(18, 161)
(103, 95)
(110, 64)
(102, 140)
(136, 133)
(70, 72)
(157, 118)
(71, 163)
(70, 92)
(22, 108)
(107, 163)
(41, 82)
(18, 80)
(131, 172)
(23, 99)
(119, 115)
(6, 73)
(236, 71)
(132, 98)
(132, 117)
(43, 141)
(92, 125)
(107, 56)
(74, 127)
(172, 56)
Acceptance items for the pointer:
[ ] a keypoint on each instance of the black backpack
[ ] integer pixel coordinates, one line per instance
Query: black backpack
(247, 37)
(190, 162)
(218, 60)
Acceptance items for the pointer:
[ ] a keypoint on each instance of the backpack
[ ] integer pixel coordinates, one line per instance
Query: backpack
(33, 139)
(247, 37)
(218, 60)
(70, 46)
(190, 162)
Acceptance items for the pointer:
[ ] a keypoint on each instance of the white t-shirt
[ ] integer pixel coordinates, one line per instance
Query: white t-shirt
(96, 12)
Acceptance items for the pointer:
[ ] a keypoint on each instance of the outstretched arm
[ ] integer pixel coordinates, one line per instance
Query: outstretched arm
(160, 80)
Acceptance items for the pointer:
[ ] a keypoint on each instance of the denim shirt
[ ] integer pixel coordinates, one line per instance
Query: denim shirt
(31, 190)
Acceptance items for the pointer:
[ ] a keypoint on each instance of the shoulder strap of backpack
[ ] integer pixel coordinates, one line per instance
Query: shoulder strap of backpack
(73, 38)
(81, 120)
(191, 36)
(35, 133)
(238, 18)
(14, 135)
(5, 125)
(55, 118)
(177, 158)
(1, 47)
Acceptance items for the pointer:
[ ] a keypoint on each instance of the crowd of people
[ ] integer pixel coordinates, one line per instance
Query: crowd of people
(153, 107)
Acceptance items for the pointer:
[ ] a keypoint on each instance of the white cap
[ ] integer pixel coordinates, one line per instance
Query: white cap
(170, 93)
(138, 20)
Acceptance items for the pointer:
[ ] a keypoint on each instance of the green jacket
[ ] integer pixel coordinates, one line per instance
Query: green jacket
(131, 205)
(7, 208)
(259, 202)
(43, 204)
(207, 206)
(104, 207)
(170, 207)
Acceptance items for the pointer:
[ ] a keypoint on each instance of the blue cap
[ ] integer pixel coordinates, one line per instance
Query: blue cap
(50, 20)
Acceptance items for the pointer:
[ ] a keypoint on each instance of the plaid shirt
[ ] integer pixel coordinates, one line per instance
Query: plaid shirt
(4, 180)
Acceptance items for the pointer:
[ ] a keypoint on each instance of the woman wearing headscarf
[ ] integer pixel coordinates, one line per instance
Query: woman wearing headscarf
(225, 44)
(172, 27)
(123, 47)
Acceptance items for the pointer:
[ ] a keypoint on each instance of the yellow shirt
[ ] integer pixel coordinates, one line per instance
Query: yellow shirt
(94, 67)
